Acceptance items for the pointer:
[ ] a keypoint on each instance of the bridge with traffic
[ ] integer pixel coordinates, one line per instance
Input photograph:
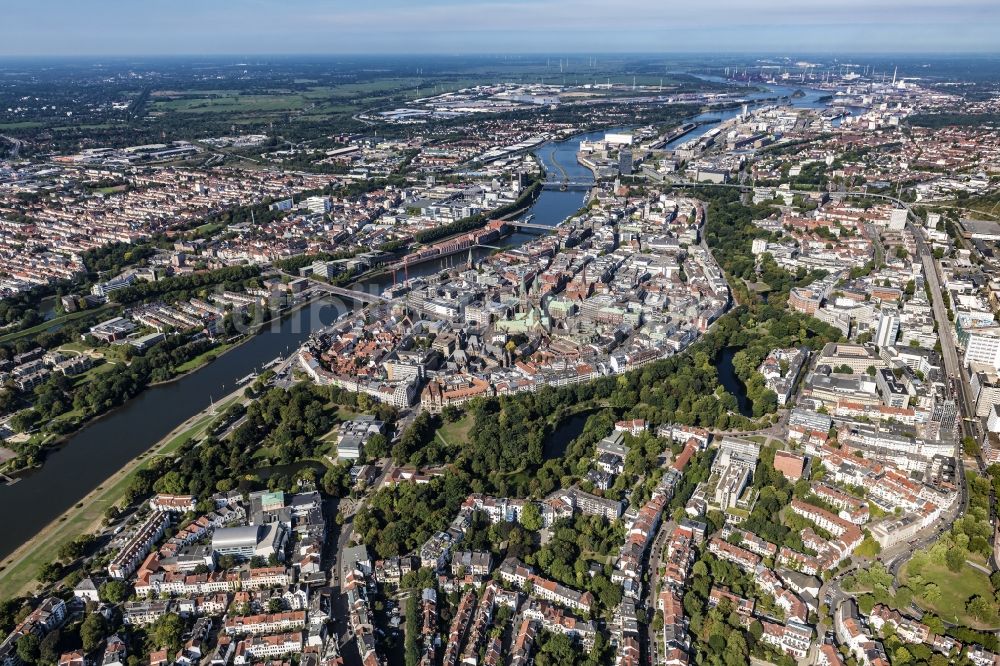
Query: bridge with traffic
(353, 294)
(569, 185)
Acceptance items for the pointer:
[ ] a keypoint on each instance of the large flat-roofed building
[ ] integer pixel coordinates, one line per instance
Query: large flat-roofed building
(112, 329)
(809, 419)
(983, 346)
(250, 540)
(354, 434)
(857, 357)
(894, 393)
(986, 389)
(986, 230)
(738, 451)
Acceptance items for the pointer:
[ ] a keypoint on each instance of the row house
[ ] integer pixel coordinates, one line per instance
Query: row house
(481, 621)
(265, 624)
(459, 627)
(851, 508)
(793, 638)
(848, 534)
(675, 624)
(517, 573)
(49, 616)
(750, 541)
(797, 561)
(259, 648)
(393, 569)
(472, 562)
(793, 606)
(680, 555)
(911, 631)
(629, 567)
(172, 503)
(429, 640)
(524, 643)
(497, 509)
(741, 557)
(125, 562)
(142, 613)
(559, 621)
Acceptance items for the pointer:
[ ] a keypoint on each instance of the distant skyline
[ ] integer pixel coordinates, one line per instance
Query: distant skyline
(210, 27)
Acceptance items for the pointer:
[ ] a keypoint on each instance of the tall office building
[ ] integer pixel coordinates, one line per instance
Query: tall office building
(888, 328)
(983, 346)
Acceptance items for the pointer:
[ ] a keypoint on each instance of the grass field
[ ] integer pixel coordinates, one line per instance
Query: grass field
(955, 588)
(317, 103)
(78, 347)
(203, 358)
(56, 321)
(24, 124)
(457, 434)
(21, 569)
(232, 102)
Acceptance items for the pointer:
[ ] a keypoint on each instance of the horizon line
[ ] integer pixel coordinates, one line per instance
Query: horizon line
(501, 54)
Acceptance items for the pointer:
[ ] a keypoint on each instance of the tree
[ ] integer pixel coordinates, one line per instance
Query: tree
(166, 632)
(980, 608)
(28, 648)
(531, 517)
(955, 559)
(113, 591)
(901, 656)
(92, 631)
(411, 642)
(48, 649)
(377, 446)
(50, 572)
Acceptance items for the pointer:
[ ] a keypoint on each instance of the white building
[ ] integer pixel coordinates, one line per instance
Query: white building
(887, 329)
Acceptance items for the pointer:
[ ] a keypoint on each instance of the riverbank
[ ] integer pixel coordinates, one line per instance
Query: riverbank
(96, 452)
(19, 570)
(187, 368)
(526, 205)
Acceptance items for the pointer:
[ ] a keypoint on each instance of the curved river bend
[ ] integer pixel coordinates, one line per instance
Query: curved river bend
(101, 448)
(98, 450)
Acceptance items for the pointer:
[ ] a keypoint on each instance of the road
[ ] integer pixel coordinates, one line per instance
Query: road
(649, 597)
(336, 570)
(16, 150)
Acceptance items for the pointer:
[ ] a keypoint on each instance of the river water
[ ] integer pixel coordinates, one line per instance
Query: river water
(94, 453)
(810, 100)
(98, 450)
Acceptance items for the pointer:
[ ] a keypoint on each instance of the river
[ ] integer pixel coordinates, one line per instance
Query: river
(94, 453)
(98, 450)
(812, 99)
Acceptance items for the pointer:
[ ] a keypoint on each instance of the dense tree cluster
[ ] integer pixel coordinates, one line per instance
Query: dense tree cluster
(115, 257)
(399, 519)
(178, 287)
(721, 638)
(61, 404)
(573, 546)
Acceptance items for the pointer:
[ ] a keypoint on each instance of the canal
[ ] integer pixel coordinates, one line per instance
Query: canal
(97, 451)
(94, 453)
(731, 382)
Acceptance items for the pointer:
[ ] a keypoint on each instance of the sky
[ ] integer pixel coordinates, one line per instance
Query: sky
(182, 27)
